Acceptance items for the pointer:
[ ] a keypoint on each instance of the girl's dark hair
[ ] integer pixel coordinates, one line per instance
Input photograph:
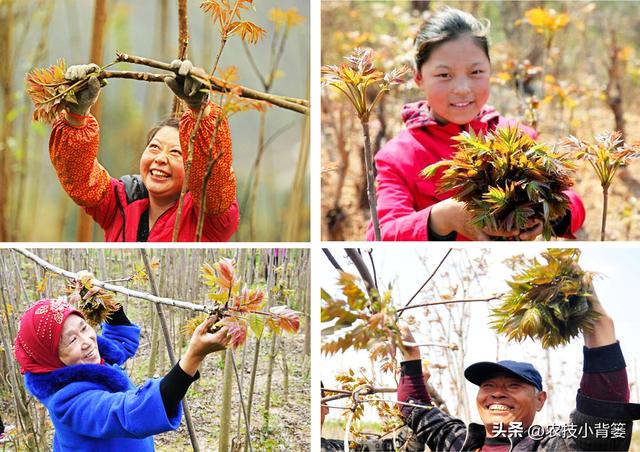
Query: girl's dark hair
(446, 25)
(170, 122)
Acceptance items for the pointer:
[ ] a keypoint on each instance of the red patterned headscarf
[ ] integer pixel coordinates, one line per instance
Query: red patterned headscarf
(36, 346)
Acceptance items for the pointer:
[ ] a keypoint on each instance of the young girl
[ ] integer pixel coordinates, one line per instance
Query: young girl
(78, 376)
(144, 208)
(452, 67)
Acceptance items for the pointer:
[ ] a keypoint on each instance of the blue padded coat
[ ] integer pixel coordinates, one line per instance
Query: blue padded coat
(96, 407)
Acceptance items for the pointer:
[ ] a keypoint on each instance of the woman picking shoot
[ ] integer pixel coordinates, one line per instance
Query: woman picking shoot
(143, 208)
(79, 377)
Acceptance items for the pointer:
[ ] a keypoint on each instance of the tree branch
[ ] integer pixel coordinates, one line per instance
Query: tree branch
(343, 394)
(357, 260)
(214, 83)
(471, 300)
(333, 261)
(113, 288)
(426, 282)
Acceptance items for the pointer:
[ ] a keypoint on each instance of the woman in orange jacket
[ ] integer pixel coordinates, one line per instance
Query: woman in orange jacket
(143, 208)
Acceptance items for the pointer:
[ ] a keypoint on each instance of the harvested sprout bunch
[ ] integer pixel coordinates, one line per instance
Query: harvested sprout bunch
(550, 302)
(507, 180)
(50, 92)
(96, 303)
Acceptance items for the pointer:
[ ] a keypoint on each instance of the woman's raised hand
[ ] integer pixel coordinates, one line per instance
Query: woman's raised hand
(87, 96)
(186, 87)
(201, 344)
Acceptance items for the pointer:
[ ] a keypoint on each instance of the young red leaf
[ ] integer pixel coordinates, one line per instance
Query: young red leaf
(288, 319)
(226, 273)
(249, 300)
(237, 332)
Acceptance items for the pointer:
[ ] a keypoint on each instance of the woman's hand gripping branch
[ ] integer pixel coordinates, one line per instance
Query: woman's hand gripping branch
(201, 344)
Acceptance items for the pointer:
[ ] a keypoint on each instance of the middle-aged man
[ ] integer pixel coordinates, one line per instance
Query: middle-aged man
(511, 393)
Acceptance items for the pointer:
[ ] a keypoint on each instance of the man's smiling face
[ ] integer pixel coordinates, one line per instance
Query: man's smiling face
(503, 399)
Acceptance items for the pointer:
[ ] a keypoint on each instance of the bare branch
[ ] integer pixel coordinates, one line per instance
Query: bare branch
(435, 303)
(112, 287)
(426, 282)
(357, 260)
(217, 84)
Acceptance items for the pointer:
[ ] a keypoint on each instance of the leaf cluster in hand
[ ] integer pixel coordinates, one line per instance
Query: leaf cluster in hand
(240, 309)
(49, 91)
(606, 154)
(507, 180)
(361, 320)
(550, 302)
(95, 303)
(355, 77)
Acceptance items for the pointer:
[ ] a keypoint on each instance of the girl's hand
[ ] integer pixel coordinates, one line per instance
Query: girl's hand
(450, 215)
(533, 230)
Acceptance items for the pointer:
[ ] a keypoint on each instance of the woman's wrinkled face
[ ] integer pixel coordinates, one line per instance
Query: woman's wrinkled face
(455, 80)
(161, 165)
(78, 343)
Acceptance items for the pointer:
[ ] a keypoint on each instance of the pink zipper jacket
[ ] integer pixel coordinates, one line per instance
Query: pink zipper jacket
(404, 197)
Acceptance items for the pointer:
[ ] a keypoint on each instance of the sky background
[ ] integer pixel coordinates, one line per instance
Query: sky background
(404, 267)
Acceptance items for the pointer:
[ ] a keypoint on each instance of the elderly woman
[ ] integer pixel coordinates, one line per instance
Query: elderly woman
(79, 377)
(144, 207)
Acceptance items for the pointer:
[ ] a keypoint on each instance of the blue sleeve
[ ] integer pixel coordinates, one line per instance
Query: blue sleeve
(136, 413)
(119, 342)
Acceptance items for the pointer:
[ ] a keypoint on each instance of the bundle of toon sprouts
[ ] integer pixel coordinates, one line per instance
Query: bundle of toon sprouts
(550, 302)
(507, 180)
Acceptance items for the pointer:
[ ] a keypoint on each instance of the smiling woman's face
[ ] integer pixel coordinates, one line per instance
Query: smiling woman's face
(78, 343)
(161, 165)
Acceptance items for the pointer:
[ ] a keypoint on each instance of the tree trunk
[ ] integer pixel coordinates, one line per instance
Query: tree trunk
(84, 232)
(6, 86)
(267, 396)
(225, 410)
(613, 90)
(256, 353)
(167, 339)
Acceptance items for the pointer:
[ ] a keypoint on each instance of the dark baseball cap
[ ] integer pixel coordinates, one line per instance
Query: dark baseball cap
(479, 372)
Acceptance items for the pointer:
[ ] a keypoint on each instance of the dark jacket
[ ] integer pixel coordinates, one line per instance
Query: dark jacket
(443, 432)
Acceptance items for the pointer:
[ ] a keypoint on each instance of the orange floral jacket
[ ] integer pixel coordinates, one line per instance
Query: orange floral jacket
(117, 204)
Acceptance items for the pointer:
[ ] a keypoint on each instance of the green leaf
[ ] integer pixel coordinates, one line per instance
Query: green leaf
(256, 324)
